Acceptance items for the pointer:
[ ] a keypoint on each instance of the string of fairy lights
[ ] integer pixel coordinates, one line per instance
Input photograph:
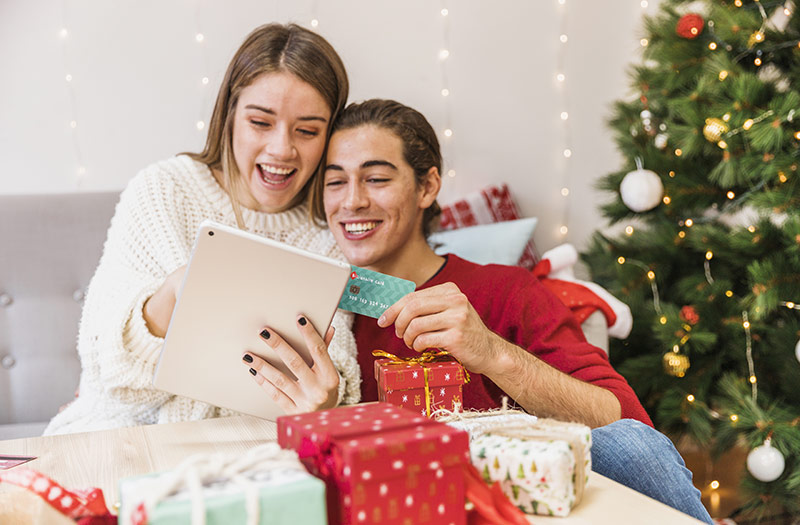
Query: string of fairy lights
(564, 106)
(200, 39)
(443, 56)
(443, 12)
(718, 131)
(69, 79)
(678, 363)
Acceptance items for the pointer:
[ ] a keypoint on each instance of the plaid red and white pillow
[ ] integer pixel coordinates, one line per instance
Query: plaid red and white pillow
(489, 205)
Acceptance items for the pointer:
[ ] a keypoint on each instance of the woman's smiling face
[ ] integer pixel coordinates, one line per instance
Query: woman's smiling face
(279, 130)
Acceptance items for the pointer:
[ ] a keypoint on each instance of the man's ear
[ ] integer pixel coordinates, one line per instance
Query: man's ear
(430, 187)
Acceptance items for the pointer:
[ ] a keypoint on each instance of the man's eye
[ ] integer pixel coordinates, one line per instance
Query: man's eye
(334, 183)
(377, 179)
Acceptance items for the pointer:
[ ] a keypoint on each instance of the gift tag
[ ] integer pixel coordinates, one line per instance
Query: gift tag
(371, 293)
(7, 462)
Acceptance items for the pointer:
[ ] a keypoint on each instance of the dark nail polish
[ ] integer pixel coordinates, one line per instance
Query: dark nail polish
(248, 358)
(302, 321)
(265, 333)
(253, 371)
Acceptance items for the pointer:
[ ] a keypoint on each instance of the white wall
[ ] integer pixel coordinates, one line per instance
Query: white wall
(136, 91)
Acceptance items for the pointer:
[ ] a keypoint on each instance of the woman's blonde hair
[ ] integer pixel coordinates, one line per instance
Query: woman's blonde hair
(271, 48)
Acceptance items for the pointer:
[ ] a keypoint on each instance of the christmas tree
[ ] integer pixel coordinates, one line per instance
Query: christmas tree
(709, 260)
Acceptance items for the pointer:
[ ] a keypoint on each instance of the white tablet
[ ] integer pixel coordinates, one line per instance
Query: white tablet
(237, 283)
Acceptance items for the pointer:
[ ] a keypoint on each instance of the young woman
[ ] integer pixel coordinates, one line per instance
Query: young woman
(378, 196)
(270, 126)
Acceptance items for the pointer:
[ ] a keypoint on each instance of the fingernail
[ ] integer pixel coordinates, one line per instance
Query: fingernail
(253, 371)
(302, 321)
(381, 320)
(248, 358)
(265, 333)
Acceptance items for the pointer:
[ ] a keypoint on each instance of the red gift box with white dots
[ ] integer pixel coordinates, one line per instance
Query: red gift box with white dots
(382, 464)
(406, 385)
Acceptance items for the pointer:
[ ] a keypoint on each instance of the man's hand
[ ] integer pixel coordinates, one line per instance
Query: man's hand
(442, 317)
(316, 387)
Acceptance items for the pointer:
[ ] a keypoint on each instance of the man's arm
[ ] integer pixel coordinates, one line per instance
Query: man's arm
(442, 317)
(545, 391)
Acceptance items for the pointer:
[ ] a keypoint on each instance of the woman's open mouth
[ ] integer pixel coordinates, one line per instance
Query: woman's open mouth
(274, 176)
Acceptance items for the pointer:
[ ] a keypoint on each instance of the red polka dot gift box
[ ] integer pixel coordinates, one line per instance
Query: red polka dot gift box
(423, 384)
(382, 464)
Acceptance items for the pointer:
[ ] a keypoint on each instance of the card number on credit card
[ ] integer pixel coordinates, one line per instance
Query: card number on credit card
(371, 293)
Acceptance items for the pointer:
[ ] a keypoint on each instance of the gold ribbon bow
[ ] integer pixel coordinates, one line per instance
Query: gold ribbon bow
(423, 359)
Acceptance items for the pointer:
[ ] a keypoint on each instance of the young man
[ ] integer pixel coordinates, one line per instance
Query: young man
(378, 195)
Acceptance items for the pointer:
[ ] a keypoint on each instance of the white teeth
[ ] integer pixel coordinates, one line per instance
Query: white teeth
(360, 227)
(276, 171)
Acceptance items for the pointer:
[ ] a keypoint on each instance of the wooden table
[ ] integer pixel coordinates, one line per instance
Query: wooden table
(100, 459)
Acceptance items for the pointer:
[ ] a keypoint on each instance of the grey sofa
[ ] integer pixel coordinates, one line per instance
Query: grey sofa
(49, 248)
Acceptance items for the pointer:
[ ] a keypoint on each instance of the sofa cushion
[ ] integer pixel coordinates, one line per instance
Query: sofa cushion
(51, 245)
(21, 430)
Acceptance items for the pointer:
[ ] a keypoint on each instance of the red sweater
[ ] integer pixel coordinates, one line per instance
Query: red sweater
(515, 305)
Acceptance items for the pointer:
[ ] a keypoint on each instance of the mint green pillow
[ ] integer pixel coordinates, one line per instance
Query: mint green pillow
(498, 242)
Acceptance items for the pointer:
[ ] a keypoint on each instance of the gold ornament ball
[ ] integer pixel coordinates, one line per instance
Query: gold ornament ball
(714, 129)
(676, 364)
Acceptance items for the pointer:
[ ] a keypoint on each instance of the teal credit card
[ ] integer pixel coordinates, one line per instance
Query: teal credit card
(371, 293)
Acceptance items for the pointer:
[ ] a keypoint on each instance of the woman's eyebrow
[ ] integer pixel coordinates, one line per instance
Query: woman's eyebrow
(272, 112)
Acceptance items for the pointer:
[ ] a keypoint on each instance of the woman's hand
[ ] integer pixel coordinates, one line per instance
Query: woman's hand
(442, 317)
(158, 308)
(316, 387)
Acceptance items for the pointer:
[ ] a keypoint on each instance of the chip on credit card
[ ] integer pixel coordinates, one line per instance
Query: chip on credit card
(371, 293)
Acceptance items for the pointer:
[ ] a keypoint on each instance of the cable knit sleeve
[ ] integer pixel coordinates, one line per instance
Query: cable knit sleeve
(145, 244)
(343, 350)
(343, 354)
(118, 353)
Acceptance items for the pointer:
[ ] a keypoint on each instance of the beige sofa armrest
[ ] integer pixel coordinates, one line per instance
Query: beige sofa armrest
(595, 330)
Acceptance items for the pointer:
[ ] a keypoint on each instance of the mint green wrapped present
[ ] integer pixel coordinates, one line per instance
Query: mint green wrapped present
(541, 464)
(265, 486)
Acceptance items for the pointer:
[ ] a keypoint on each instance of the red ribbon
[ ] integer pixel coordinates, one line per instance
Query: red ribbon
(320, 456)
(492, 506)
(84, 506)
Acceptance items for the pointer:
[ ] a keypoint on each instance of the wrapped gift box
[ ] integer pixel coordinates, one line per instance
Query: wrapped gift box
(282, 492)
(420, 387)
(382, 464)
(542, 464)
(490, 205)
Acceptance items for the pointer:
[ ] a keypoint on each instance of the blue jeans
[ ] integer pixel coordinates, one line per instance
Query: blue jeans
(645, 460)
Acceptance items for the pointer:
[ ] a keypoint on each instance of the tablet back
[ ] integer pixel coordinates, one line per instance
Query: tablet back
(236, 284)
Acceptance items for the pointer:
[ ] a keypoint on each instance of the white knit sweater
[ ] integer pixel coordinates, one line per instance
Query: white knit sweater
(151, 235)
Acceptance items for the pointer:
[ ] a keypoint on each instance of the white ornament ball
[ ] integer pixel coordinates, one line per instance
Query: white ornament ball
(661, 140)
(765, 463)
(645, 114)
(797, 350)
(641, 190)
